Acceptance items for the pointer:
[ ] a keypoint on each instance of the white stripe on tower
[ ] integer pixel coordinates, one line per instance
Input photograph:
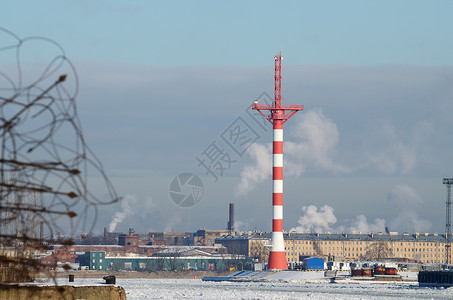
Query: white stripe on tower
(277, 259)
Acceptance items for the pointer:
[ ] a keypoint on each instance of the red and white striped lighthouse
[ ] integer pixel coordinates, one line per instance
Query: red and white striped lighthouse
(278, 115)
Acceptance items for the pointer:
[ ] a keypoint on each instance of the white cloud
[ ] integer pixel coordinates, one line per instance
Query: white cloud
(402, 218)
(404, 196)
(131, 206)
(410, 221)
(260, 170)
(240, 225)
(313, 220)
(396, 152)
(174, 220)
(347, 135)
(127, 209)
(406, 202)
(315, 140)
(360, 224)
(323, 220)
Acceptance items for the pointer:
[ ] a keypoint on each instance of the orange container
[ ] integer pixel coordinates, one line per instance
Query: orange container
(367, 272)
(378, 270)
(391, 271)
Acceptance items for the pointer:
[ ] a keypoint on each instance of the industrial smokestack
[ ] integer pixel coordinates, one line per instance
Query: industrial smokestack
(106, 233)
(231, 220)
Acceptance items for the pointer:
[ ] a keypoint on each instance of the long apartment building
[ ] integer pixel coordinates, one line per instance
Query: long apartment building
(423, 248)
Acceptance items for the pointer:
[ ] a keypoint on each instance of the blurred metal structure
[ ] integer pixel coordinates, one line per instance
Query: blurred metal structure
(448, 182)
(44, 160)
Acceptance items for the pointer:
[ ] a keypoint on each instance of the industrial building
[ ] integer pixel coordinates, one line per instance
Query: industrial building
(171, 259)
(150, 251)
(202, 237)
(220, 249)
(423, 248)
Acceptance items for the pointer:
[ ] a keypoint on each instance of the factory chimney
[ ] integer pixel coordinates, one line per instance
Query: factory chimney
(106, 233)
(231, 220)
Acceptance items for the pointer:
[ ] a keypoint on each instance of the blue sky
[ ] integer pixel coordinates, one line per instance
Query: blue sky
(234, 33)
(161, 81)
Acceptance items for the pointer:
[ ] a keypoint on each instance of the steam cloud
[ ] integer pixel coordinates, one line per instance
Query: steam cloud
(316, 139)
(127, 205)
(253, 174)
(404, 199)
(175, 219)
(129, 208)
(313, 220)
(396, 152)
(360, 224)
(314, 144)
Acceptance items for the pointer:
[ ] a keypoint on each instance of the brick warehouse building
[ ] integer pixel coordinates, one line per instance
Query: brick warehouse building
(423, 248)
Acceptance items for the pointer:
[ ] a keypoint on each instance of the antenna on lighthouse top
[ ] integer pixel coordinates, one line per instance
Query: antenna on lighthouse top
(278, 80)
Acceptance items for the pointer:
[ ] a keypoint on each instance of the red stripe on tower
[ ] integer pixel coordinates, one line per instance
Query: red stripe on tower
(277, 117)
(278, 244)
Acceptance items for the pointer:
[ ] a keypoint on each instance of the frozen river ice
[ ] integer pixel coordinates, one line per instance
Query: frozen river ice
(196, 289)
(137, 289)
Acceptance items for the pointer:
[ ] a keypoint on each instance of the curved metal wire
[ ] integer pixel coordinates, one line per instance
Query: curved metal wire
(45, 162)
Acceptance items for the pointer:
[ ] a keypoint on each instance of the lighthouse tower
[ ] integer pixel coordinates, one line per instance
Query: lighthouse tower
(278, 114)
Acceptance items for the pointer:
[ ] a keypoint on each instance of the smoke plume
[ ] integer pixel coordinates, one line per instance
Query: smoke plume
(406, 201)
(315, 140)
(313, 220)
(127, 205)
(322, 220)
(395, 152)
(360, 224)
(260, 170)
(130, 206)
(175, 219)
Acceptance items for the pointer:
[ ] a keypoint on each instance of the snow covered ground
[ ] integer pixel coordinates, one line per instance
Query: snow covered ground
(312, 287)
